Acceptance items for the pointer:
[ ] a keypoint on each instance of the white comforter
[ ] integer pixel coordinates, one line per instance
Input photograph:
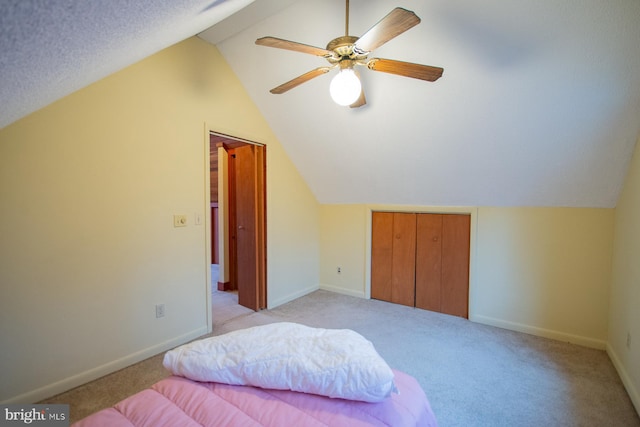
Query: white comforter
(287, 356)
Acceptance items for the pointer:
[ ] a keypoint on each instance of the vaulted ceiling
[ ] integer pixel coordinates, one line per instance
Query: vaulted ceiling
(539, 104)
(50, 48)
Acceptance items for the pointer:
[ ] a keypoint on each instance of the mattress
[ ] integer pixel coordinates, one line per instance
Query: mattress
(177, 401)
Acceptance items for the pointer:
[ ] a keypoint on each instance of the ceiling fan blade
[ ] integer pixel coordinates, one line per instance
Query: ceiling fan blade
(299, 80)
(407, 69)
(360, 101)
(395, 23)
(294, 46)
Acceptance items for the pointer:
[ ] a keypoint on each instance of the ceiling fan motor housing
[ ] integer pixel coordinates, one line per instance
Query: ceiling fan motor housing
(344, 48)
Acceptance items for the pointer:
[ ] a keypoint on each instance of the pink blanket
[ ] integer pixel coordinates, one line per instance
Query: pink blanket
(177, 401)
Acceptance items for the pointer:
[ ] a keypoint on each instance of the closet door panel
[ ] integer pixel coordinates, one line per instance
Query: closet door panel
(429, 261)
(455, 264)
(381, 255)
(403, 259)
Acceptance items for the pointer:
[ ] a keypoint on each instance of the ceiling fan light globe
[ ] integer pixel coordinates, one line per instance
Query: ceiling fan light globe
(345, 87)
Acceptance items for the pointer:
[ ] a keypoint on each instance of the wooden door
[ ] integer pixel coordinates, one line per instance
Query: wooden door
(429, 261)
(249, 230)
(393, 246)
(403, 259)
(421, 260)
(381, 253)
(442, 263)
(455, 264)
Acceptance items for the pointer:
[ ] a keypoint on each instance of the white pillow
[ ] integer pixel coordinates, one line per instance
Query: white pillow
(287, 356)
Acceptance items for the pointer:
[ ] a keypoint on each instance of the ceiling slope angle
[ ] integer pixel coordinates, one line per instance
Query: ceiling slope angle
(53, 48)
(538, 106)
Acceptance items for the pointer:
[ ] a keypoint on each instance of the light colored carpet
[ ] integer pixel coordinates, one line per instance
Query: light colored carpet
(474, 375)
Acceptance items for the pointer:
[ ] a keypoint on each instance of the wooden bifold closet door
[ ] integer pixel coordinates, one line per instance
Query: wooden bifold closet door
(393, 258)
(421, 260)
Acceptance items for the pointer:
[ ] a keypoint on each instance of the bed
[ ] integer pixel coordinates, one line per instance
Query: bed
(232, 380)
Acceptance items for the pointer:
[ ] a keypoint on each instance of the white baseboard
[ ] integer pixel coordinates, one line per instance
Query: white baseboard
(66, 384)
(338, 290)
(290, 297)
(541, 332)
(626, 379)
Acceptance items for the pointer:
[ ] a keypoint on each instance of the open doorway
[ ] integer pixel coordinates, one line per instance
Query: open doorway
(238, 218)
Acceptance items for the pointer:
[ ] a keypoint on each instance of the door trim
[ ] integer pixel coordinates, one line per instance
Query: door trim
(234, 138)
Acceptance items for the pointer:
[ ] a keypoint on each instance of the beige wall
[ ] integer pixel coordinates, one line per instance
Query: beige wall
(88, 189)
(624, 309)
(538, 270)
(343, 240)
(545, 271)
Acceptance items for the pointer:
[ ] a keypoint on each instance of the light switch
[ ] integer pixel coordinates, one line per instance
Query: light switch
(179, 220)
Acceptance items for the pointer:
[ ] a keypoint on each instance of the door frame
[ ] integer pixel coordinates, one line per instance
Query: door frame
(208, 131)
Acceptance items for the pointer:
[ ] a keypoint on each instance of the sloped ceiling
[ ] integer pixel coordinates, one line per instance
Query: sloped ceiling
(539, 104)
(50, 48)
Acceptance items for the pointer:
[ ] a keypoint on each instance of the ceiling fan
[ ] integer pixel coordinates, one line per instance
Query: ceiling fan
(348, 51)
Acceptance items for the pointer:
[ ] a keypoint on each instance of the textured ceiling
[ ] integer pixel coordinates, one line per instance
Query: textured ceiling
(539, 104)
(50, 48)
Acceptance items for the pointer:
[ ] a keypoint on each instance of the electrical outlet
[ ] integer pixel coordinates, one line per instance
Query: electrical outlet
(339, 270)
(179, 220)
(629, 340)
(159, 310)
